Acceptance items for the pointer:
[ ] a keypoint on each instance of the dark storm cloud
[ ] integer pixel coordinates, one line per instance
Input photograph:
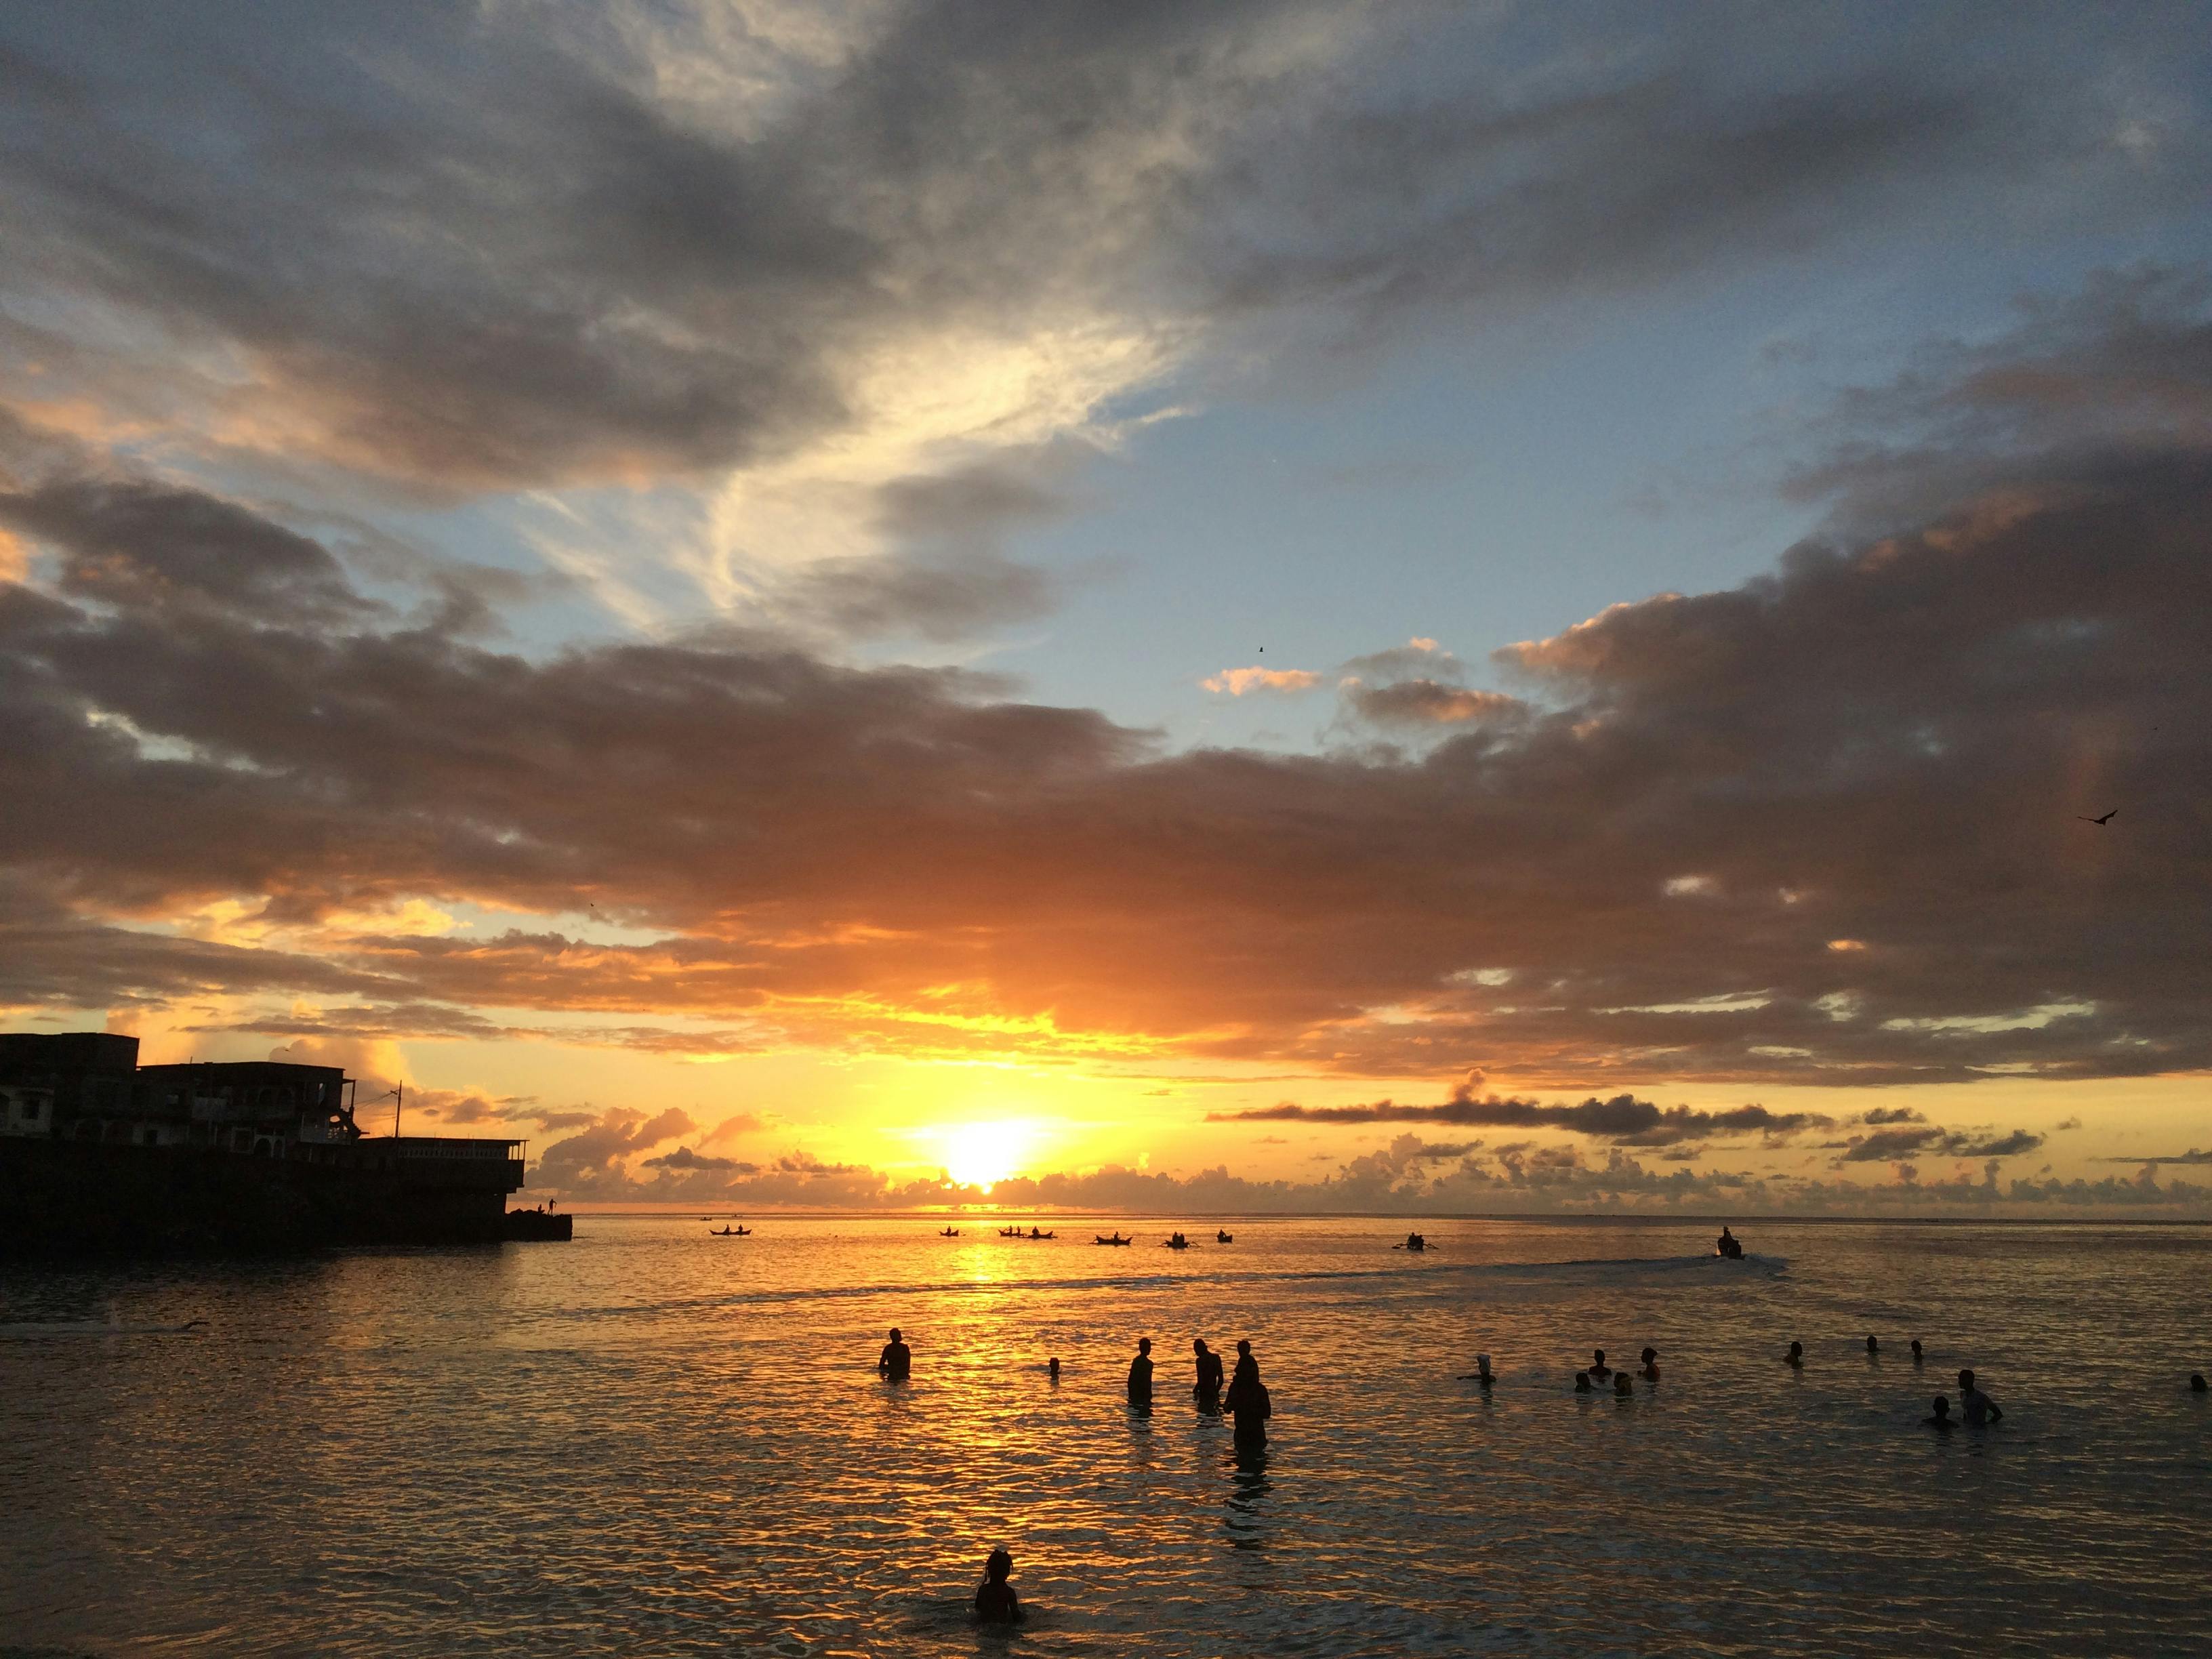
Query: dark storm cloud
(441, 1020)
(685, 1158)
(937, 598)
(1624, 1119)
(599, 1152)
(1885, 1145)
(1425, 702)
(154, 547)
(1821, 828)
(52, 956)
(2081, 387)
(491, 245)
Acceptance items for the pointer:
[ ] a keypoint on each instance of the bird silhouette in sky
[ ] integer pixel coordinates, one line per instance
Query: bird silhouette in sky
(2108, 818)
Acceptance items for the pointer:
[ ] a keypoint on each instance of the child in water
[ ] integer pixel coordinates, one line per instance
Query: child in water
(995, 1600)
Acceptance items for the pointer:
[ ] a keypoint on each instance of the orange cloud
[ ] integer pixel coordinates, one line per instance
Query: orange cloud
(1242, 682)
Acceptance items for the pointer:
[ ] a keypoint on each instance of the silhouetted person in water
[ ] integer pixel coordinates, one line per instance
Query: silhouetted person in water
(1651, 1364)
(1599, 1370)
(1582, 1383)
(2197, 1382)
(1248, 1400)
(1480, 1373)
(1941, 1422)
(1141, 1373)
(1207, 1388)
(1873, 1347)
(896, 1362)
(1052, 1368)
(1978, 1407)
(1915, 1351)
(1796, 1357)
(1623, 1385)
(995, 1600)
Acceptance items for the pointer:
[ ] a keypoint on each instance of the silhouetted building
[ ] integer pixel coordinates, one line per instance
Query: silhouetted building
(144, 1155)
(69, 1076)
(266, 1107)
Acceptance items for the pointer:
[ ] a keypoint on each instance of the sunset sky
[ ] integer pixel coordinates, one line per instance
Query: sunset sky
(1466, 607)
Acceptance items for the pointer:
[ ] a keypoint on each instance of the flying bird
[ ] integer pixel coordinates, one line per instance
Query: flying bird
(2108, 818)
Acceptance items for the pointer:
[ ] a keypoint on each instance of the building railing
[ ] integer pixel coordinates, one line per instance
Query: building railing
(414, 1147)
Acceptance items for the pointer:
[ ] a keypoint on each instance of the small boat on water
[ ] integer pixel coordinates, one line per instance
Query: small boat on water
(731, 1232)
(1177, 1241)
(1220, 1237)
(950, 1232)
(1034, 1233)
(1414, 1241)
(1116, 1239)
(1010, 1232)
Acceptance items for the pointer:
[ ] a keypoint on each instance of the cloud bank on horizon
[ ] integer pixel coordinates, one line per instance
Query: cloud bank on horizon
(776, 338)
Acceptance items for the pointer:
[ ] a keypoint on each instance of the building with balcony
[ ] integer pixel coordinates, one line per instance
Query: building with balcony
(98, 1152)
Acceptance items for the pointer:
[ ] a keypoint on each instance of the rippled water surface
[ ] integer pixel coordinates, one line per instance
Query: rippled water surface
(653, 1442)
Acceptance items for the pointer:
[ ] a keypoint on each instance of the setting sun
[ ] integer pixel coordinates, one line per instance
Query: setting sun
(983, 1154)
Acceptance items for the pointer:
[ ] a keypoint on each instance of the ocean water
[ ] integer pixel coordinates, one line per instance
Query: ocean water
(652, 1442)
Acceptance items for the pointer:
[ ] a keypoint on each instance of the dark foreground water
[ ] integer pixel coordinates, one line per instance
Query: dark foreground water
(651, 1442)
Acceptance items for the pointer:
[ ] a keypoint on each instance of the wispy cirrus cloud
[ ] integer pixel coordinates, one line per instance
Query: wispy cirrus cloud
(849, 285)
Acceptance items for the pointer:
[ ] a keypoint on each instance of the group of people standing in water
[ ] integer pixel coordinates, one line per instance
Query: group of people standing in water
(1246, 1401)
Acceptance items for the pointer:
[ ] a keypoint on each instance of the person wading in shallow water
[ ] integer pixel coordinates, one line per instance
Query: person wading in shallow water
(1980, 1409)
(995, 1600)
(1207, 1388)
(1248, 1400)
(1141, 1373)
(896, 1362)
